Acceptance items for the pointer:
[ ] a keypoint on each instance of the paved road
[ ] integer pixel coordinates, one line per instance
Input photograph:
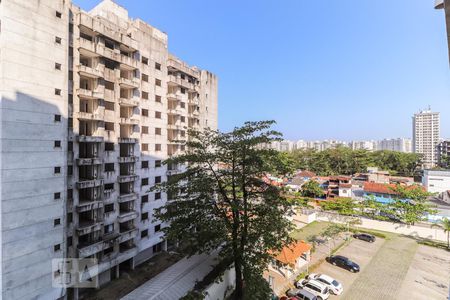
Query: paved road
(176, 281)
(382, 278)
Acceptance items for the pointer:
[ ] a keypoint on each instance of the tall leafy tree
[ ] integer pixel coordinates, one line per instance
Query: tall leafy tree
(312, 189)
(410, 204)
(221, 202)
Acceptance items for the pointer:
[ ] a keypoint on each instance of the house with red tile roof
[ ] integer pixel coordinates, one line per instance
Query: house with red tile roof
(291, 258)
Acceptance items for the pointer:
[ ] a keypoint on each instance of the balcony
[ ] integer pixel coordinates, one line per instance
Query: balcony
(97, 116)
(176, 126)
(132, 83)
(88, 249)
(128, 159)
(127, 216)
(175, 97)
(110, 95)
(128, 235)
(129, 102)
(127, 178)
(108, 53)
(84, 184)
(174, 111)
(90, 72)
(98, 93)
(127, 140)
(89, 139)
(89, 205)
(173, 172)
(175, 80)
(127, 197)
(172, 62)
(86, 45)
(128, 61)
(129, 121)
(89, 226)
(89, 161)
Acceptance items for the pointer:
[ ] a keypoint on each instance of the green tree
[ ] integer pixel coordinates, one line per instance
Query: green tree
(220, 201)
(445, 225)
(343, 206)
(371, 208)
(312, 189)
(410, 204)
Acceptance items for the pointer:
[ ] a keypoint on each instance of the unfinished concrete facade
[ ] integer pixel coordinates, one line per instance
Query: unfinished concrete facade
(91, 105)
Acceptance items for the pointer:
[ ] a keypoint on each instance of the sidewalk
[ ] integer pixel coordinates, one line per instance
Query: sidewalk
(176, 281)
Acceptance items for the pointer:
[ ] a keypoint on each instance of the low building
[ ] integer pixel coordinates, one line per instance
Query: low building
(383, 193)
(436, 181)
(291, 258)
(338, 186)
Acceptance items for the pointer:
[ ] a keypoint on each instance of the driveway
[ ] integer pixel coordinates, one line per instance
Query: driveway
(360, 252)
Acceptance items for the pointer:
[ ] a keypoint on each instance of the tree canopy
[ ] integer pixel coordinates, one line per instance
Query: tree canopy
(345, 161)
(220, 202)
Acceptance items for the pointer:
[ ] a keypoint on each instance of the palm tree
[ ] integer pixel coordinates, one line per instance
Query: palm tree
(445, 225)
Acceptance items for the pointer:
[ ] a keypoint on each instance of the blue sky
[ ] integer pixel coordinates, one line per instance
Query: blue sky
(347, 69)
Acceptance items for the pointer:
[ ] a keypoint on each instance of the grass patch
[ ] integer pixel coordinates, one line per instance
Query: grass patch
(314, 228)
(377, 233)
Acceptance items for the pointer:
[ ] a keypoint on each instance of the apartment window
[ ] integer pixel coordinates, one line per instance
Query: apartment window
(108, 251)
(157, 66)
(108, 228)
(183, 90)
(57, 66)
(109, 85)
(158, 98)
(69, 170)
(144, 147)
(144, 216)
(109, 207)
(144, 129)
(56, 222)
(144, 60)
(183, 119)
(109, 146)
(56, 247)
(144, 233)
(58, 92)
(69, 241)
(157, 147)
(144, 181)
(144, 112)
(57, 170)
(158, 196)
(157, 179)
(183, 105)
(70, 123)
(144, 77)
(158, 228)
(157, 114)
(57, 196)
(183, 133)
(70, 194)
(57, 144)
(158, 82)
(144, 95)
(58, 40)
(58, 14)
(109, 186)
(109, 44)
(158, 131)
(57, 118)
(158, 163)
(109, 167)
(144, 199)
(109, 126)
(109, 105)
(144, 164)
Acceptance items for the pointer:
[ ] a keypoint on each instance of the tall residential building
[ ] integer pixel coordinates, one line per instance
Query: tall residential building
(91, 105)
(363, 145)
(445, 5)
(399, 144)
(426, 136)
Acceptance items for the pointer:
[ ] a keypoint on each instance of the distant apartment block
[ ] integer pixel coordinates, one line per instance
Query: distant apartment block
(443, 149)
(363, 145)
(426, 136)
(399, 144)
(92, 103)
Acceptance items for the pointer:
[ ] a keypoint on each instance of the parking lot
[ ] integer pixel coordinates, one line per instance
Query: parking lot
(395, 268)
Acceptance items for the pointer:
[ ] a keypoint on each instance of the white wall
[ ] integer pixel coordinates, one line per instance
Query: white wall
(436, 181)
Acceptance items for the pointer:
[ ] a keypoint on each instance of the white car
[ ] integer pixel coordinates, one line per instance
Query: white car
(335, 286)
(317, 288)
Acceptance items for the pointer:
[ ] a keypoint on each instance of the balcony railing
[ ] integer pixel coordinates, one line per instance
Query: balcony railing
(127, 197)
(127, 178)
(129, 61)
(90, 72)
(89, 205)
(86, 45)
(84, 184)
(89, 139)
(129, 83)
(128, 235)
(127, 216)
(129, 102)
(128, 159)
(98, 93)
(129, 121)
(127, 140)
(89, 226)
(88, 249)
(89, 161)
(97, 116)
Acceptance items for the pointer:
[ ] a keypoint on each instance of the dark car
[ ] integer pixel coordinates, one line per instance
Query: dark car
(343, 262)
(365, 237)
(301, 294)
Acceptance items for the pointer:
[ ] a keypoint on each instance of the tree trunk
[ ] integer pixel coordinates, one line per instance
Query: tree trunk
(239, 290)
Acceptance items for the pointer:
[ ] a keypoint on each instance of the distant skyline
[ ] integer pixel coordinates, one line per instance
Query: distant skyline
(342, 70)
